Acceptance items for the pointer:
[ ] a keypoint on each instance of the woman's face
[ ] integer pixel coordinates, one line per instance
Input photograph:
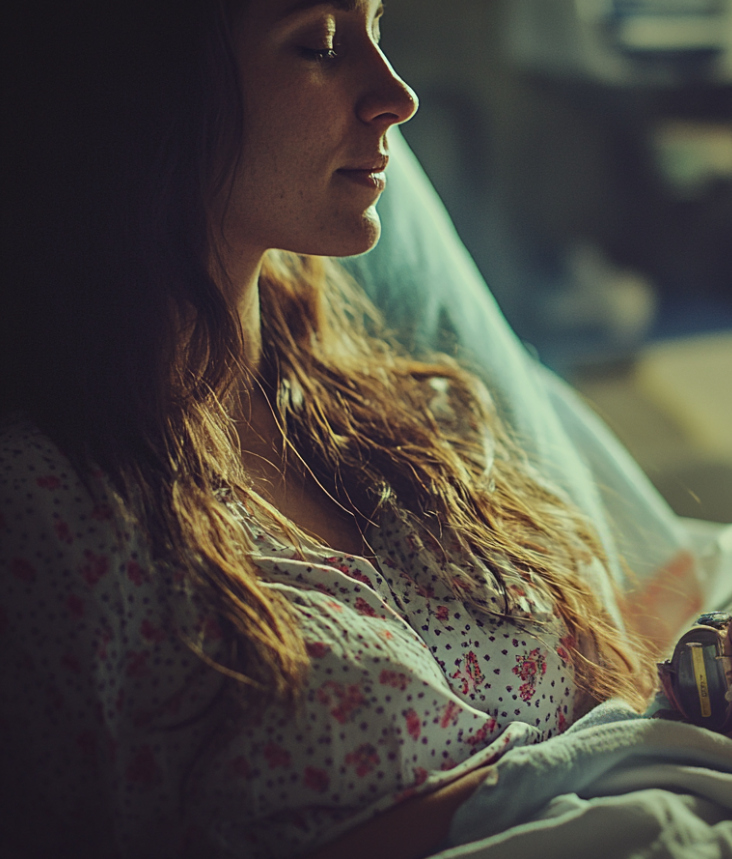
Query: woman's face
(319, 97)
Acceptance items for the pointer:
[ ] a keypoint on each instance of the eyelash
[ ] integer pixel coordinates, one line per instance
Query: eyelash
(320, 55)
(326, 55)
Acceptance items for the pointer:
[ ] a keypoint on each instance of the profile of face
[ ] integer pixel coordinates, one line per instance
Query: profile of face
(319, 97)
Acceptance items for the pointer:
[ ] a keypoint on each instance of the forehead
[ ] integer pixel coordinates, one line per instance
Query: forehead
(294, 6)
(274, 11)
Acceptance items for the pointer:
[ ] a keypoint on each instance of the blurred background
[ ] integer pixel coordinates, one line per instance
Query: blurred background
(584, 151)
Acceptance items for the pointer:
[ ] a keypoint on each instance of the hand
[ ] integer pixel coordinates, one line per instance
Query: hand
(409, 830)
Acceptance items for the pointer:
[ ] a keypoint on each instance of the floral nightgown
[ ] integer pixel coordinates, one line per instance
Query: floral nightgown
(114, 728)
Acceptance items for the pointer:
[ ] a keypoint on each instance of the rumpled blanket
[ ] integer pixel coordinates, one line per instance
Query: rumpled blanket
(615, 785)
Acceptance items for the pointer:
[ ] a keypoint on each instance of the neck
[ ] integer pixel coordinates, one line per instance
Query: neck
(256, 424)
(238, 275)
(251, 322)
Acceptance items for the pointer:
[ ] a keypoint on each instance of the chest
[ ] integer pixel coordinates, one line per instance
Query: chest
(298, 496)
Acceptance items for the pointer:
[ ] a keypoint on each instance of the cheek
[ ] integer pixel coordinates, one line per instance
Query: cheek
(294, 114)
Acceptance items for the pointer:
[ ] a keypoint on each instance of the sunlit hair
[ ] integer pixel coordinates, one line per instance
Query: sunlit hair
(361, 413)
(121, 344)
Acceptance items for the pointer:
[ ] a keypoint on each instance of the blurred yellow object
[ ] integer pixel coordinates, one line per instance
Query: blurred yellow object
(692, 155)
(691, 380)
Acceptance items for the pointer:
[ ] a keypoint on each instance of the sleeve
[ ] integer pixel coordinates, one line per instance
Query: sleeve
(95, 687)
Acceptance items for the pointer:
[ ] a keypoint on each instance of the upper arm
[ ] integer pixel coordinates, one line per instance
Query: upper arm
(95, 671)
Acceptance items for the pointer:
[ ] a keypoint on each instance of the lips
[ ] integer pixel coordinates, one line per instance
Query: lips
(369, 165)
(370, 174)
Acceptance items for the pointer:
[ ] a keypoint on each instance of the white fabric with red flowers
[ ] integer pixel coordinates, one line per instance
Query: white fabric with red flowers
(115, 726)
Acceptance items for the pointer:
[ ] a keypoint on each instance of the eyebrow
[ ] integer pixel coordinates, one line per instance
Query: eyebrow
(302, 5)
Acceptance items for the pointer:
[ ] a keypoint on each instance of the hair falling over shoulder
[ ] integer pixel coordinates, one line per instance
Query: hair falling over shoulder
(373, 423)
(120, 343)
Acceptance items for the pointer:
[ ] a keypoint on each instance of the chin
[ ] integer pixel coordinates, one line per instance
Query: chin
(342, 240)
(361, 239)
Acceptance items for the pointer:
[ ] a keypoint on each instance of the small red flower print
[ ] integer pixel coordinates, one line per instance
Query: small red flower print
(414, 724)
(142, 718)
(136, 663)
(112, 747)
(404, 795)
(448, 764)
(317, 780)
(365, 759)
(136, 574)
(106, 637)
(152, 633)
(442, 612)
(211, 629)
(480, 735)
(317, 649)
(564, 647)
(561, 721)
(562, 654)
(143, 769)
(364, 608)
(339, 564)
(420, 776)
(173, 704)
(276, 756)
(63, 531)
(527, 691)
(346, 699)
(22, 569)
(240, 767)
(412, 543)
(335, 606)
(394, 679)
(102, 513)
(86, 743)
(530, 666)
(56, 699)
(461, 584)
(324, 589)
(95, 567)
(450, 714)
(386, 634)
(469, 675)
(49, 481)
(71, 663)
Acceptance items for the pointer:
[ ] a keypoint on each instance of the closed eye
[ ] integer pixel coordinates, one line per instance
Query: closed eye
(319, 54)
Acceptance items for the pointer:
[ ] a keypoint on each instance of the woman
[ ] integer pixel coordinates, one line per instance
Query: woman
(264, 576)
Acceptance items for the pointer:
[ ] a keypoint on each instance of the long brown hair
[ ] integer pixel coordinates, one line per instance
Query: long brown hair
(361, 413)
(121, 344)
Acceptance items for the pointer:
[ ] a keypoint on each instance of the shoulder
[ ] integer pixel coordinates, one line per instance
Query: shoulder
(81, 595)
(87, 648)
(30, 461)
(57, 530)
(44, 503)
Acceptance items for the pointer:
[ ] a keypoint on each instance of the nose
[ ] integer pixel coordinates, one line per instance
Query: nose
(389, 100)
